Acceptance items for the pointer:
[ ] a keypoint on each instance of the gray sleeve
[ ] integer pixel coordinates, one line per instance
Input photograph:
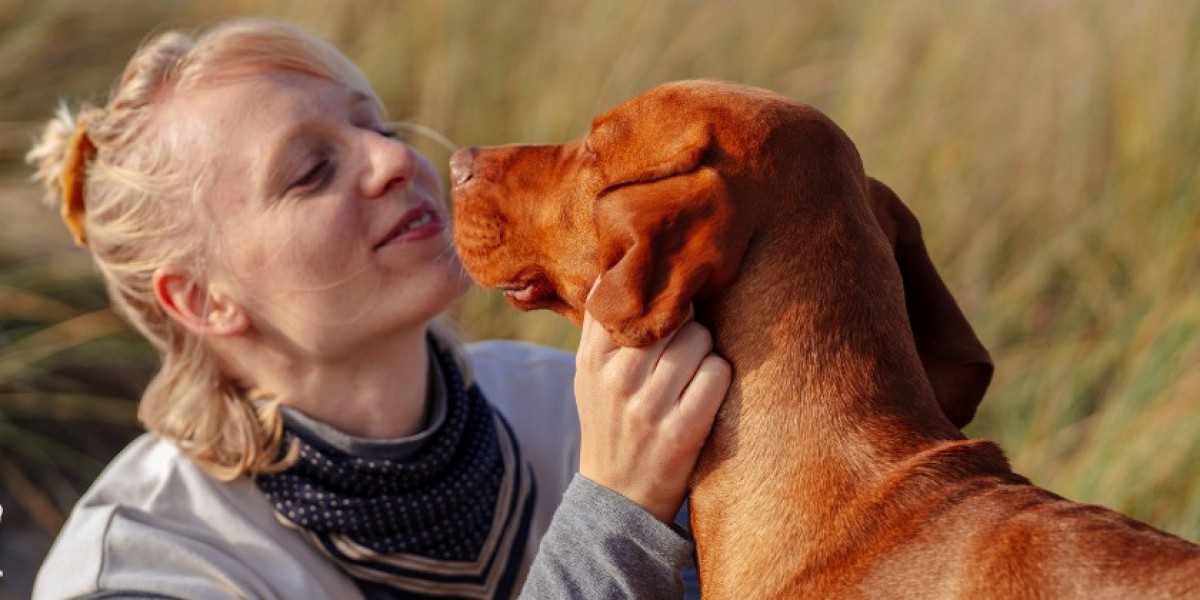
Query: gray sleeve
(602, 545)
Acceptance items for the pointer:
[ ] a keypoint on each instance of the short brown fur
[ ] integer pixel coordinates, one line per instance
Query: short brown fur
(836, 467)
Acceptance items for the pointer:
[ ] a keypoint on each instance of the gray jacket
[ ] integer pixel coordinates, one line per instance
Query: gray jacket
(155, 525)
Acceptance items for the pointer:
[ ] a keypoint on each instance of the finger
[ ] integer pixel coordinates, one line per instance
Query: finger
(593, 337)
(668, 340)
(587, 332)
(690, 344)
(645, 362)
(704, 394)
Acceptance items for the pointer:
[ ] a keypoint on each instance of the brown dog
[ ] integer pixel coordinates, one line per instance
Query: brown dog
(836, 467)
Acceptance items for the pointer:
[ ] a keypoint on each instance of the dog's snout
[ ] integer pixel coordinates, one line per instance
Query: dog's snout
(462, 165)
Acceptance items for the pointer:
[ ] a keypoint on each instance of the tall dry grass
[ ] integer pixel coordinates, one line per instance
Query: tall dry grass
(1049, 148)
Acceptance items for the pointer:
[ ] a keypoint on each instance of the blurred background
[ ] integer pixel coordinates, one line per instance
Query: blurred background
(1051, 150)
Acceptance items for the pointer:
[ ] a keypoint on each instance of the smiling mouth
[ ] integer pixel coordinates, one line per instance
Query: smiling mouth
(420, 221)
(409, 225)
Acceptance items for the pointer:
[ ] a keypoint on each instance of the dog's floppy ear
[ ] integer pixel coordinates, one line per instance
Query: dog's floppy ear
(664, 238)
(956, 362)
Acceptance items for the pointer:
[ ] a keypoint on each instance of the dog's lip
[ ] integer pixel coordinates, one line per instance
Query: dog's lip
(522, 292)
(512, 287)
(409, 216)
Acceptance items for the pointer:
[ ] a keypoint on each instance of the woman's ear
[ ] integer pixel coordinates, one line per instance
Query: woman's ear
(193, 304)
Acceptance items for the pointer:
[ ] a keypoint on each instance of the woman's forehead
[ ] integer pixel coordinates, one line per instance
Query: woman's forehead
(232, 123)
(263, 101)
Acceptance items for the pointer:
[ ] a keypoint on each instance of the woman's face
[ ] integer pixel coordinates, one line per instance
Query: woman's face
(327, 232)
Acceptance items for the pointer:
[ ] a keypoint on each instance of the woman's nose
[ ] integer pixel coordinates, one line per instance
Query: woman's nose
(392, 164)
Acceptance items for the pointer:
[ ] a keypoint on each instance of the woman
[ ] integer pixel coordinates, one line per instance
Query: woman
(314, 431)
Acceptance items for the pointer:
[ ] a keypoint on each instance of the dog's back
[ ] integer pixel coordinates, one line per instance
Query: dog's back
(995, 535)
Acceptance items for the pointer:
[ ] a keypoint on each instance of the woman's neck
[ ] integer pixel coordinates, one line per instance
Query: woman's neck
(378, 392)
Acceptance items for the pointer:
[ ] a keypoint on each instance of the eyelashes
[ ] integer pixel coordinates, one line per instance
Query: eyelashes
(325, 166)
(315, 177)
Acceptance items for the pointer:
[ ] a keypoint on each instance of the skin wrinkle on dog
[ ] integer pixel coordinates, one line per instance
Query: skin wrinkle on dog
(836, 467)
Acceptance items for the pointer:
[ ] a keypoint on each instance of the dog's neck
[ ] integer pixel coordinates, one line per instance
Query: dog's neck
(829, 397)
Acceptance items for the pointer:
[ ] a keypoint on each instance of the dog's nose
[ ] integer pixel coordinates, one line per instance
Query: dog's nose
(462, 165)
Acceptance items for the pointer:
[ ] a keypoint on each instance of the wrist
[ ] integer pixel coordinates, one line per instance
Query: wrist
(652, 501)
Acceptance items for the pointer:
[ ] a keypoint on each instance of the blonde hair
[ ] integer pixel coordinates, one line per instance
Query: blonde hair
(128, 200)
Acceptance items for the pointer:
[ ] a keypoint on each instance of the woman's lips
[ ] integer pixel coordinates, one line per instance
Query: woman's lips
(417, 224)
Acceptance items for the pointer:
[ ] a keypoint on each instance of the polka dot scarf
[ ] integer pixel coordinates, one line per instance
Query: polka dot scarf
(443, 515)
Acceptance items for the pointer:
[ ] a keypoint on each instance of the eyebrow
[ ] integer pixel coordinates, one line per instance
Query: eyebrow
(281, 163)
(358, 97)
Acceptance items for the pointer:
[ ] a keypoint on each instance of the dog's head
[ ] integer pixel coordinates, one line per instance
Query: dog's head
(640, 202)
(660, 201)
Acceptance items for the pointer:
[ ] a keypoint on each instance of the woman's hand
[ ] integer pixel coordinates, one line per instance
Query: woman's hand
(645, 413)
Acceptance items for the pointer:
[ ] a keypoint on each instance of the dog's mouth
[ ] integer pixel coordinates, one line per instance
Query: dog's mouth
(520, 293)
(528, 295)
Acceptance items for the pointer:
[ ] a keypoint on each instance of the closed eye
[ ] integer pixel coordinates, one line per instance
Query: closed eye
(685, 163)
(316, 176)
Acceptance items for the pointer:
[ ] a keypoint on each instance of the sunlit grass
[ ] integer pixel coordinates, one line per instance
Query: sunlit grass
(64, 358)
(1049, 148)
